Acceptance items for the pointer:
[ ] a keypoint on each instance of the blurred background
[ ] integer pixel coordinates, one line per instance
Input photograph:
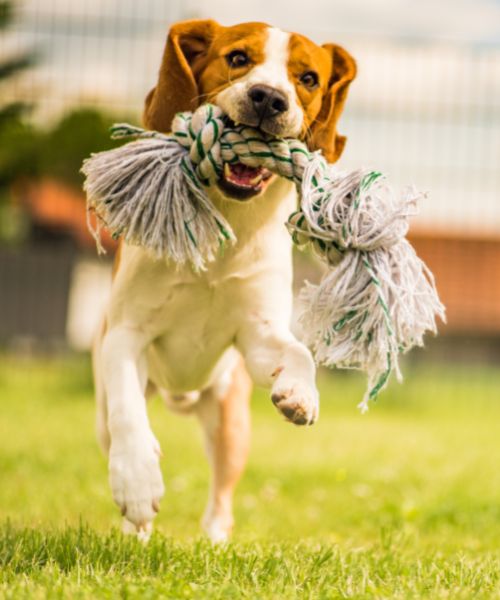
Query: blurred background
(425, 109)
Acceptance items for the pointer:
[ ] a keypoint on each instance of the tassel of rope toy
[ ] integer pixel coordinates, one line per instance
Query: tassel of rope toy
(376, 301)
(149, 193)
(378, 298)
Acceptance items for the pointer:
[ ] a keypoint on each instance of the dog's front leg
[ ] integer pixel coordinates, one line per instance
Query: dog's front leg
(276, 359)
(134, 471)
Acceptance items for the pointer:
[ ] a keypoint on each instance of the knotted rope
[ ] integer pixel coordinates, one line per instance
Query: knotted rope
(377, 301)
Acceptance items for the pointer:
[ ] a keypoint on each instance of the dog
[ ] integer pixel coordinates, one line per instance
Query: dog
(200, 339)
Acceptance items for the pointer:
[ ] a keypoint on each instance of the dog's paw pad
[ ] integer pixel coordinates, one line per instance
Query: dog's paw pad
(295, 413)
(280, 396)
(298, 403)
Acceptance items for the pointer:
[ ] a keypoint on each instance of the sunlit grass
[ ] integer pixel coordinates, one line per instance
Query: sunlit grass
(402, 502)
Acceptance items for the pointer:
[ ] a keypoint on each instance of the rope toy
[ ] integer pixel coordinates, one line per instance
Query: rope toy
(377, 298)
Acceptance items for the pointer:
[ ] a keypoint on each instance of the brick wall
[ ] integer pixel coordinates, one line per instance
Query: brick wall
(467, 271)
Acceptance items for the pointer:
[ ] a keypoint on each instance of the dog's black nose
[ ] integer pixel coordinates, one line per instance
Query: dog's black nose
(267, 101)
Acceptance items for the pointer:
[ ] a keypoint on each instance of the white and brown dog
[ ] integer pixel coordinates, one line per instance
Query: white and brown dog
(193, 336)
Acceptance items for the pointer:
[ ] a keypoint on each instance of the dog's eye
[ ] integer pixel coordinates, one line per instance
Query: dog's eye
(237, 58)
(310, 79)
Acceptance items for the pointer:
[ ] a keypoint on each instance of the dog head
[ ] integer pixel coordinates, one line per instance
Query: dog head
(280, 82)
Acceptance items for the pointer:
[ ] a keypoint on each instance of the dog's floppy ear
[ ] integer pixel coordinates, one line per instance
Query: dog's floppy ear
(324, 129)
(177, 90)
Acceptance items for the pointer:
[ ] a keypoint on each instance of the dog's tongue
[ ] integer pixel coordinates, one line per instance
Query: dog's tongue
(240, 174)
(245, 175)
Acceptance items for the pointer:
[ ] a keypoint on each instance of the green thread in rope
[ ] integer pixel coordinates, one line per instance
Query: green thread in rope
(374, 392)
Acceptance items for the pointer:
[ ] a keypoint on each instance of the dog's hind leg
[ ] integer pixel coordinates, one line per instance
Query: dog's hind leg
(224, 413)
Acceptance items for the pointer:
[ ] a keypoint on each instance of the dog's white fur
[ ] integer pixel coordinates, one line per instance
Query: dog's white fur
(183, 331)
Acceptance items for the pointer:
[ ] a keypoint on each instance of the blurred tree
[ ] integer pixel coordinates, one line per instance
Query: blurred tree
(12, 66)
(18, 141)
(73, 139)
(20, 146)
(28, 152)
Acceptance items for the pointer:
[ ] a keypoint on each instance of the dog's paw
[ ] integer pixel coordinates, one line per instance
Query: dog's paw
(296, 400)
(142, 534)
(217, 525)
(217, 530)
(135, 477)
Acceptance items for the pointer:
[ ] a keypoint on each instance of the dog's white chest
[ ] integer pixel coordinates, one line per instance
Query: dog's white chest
(191, 319)
(196, 324)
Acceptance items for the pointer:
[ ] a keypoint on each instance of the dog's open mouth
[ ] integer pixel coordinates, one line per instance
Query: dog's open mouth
(242, 182)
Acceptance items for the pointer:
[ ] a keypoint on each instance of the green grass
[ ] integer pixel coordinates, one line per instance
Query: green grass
(401, 503)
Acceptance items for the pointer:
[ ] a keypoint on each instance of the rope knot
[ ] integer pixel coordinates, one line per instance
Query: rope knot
(211, 143)
(349, 211)
(200, 133)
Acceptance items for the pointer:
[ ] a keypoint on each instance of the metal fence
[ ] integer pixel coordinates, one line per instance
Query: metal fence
(424, 111)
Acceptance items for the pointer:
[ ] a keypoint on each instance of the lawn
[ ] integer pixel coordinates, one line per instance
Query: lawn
(403, 502)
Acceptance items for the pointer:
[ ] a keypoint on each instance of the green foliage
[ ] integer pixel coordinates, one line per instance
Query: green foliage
(27, 152)
(6, 13)
(79, 563)
(12, 65)
(30, 152)
(11, 112)
(73, 139)
(18, 141)
(21, 145)
(401, 503)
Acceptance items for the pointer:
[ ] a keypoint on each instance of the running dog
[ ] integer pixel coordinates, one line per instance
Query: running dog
(200, 338)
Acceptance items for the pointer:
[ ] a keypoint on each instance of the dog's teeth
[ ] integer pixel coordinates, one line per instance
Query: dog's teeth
(256, 180)
(227, 170)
